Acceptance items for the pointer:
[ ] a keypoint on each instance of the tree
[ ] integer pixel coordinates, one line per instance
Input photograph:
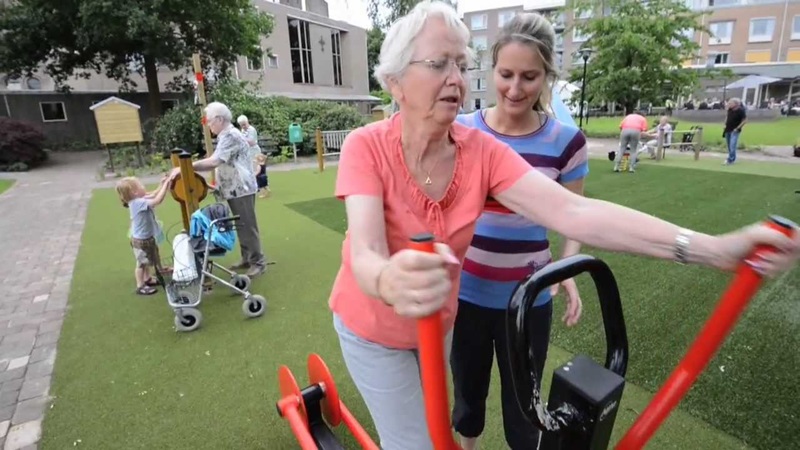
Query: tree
(383, 13)
(374, 41)
(66, 38)
(638, 49)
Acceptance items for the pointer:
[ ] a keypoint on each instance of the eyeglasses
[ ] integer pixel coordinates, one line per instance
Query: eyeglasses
(443, 66)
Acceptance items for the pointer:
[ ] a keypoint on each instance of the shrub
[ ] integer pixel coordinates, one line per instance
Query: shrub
(180, 126)
(21, 145)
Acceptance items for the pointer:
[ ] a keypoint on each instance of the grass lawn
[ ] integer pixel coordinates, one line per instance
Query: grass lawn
(125, 379)
(5, 184)
(783, 131)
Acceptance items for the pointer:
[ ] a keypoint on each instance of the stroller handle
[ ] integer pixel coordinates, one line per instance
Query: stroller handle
(430, 336)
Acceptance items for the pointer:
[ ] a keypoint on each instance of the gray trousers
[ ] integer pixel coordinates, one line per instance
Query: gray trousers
(628, 137)
(389, 382)
(247, 230)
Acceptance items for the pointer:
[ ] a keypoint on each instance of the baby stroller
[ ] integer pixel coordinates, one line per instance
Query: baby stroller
(211, 235)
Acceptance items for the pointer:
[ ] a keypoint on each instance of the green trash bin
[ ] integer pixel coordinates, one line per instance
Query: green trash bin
(295, 133)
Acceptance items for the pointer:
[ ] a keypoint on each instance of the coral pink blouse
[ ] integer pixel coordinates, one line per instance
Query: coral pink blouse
(372, 163)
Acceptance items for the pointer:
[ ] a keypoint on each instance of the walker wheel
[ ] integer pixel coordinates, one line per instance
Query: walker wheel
(254, 306)
(318, 373)
(288, 386)
(187, 319)
(242, 282)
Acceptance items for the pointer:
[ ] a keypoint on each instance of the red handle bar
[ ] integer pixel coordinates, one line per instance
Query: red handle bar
(430, 336)
(714, 332)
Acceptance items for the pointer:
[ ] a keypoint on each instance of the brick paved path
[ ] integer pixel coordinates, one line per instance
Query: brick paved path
(41, 220)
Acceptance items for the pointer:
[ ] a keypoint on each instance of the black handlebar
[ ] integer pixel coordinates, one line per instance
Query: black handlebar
(520, 355)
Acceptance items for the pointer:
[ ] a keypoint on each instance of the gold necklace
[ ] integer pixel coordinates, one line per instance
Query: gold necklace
(428, 180)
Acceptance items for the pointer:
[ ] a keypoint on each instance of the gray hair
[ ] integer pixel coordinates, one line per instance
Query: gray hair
(242, 119)
(217, 109)
(735, 101)
(398, 46)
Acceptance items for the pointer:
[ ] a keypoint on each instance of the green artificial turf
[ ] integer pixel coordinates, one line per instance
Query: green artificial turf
(783, 131)
(5, 184)
(125, 379)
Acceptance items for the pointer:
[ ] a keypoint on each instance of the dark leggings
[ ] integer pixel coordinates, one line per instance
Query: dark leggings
(479, 333)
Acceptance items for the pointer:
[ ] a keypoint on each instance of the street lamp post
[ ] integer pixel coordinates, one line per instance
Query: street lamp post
(585, 54)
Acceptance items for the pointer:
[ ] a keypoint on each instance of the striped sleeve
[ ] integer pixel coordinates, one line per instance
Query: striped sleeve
(575, 159)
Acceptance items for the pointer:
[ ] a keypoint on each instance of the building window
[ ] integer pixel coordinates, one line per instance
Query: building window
(793, 55)
(168, 104)
(559, 59)
(761, 30)
(721, 32)
(13, 83)
(479, 43)
(272, 61)
(254, 64)
(503, 17)
(796, 27)
(478, 103)
(300, 46)
(583, 14)
(758, 56)
(578, 36)
(478, 84)
(719, 57)
(53, 111)
(478, 22)
(336, 51)
(713, 3)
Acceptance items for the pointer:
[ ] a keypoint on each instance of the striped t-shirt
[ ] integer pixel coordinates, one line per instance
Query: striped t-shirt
(508, 247)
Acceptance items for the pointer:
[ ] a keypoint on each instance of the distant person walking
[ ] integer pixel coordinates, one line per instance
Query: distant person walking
(250, 134)
(737, 117)
(631, 129)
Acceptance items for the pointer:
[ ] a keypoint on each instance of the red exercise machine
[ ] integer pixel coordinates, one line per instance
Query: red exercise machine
(584, 396)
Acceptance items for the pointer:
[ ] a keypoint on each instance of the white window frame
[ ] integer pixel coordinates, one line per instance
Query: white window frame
(478, 84)
(475, 25)
(484, 41)
(716, 40)
(796, 27)
(249, 64)
(578, 37)
(716, 54)
(270, 59)
(503, 17)
(63, 107)
(762, 37)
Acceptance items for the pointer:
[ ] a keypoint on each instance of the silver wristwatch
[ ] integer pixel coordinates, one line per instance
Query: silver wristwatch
(682, 245)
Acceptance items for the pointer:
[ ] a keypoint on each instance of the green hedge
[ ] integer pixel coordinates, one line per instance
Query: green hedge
(271, 116)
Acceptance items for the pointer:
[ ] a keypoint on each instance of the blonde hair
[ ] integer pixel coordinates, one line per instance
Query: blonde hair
(126, 189)
(535, 31)
(261, 158)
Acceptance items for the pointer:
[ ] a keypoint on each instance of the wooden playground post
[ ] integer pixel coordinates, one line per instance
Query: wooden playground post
(699, 144)
(188, 190)
(320, 149)
(201, 95)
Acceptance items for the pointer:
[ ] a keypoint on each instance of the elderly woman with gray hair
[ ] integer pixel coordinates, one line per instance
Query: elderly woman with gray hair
(420, 171)
(236, 183)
